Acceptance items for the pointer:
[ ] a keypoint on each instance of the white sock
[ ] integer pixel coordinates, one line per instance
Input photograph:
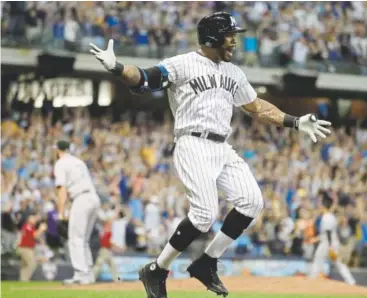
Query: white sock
(167, 256)
(218, 246)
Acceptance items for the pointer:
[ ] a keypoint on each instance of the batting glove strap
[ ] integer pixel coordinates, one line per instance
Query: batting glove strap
(117, 70)
(291, 121)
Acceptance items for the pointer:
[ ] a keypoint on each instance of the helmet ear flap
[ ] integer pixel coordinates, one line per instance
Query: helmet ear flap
(213, 41)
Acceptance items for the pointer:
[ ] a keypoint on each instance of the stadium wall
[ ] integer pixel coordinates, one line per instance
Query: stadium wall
(267, 76)
(127, 268)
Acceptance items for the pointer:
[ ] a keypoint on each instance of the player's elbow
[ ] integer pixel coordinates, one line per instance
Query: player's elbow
(252, 107)
(150, 80)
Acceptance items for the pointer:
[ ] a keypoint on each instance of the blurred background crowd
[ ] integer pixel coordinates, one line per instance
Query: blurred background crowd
(129, 152)
(325, 36)
(132, 169)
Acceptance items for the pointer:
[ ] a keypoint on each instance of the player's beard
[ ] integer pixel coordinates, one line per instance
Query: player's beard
(226, 54)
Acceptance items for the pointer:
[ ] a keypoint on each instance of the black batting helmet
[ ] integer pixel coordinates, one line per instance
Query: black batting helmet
(212, 28)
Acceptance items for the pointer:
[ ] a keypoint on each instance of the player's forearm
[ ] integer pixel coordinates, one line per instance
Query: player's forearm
(61, 199)
(267, 113)
(130, 74)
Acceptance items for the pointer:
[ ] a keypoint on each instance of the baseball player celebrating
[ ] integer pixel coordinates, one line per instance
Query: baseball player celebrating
(203, 86)
(72, 179)
(329, 244)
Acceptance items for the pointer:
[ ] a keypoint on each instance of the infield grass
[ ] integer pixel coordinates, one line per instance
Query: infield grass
(46, 290)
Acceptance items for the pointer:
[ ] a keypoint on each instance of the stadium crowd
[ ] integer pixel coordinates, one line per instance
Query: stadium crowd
(319, 35)
(133, 172)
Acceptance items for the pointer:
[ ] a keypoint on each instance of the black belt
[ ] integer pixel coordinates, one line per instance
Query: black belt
(210, 136)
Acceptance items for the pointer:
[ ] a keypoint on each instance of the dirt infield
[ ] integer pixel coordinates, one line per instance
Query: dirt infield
(261, 285)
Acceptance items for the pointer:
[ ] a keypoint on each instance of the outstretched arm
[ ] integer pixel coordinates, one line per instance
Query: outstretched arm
(139, 80)
(265, 112)
(268, 113)
(130, 75)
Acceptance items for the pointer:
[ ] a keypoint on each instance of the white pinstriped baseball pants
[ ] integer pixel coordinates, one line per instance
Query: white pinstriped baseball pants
(204, 167)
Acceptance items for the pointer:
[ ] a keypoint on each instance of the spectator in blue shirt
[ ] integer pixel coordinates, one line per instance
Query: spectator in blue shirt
(124, 189)
(58, 32)
(250, 47)
(137, 209)
(112, 25)
(8, 163)
(138, 36)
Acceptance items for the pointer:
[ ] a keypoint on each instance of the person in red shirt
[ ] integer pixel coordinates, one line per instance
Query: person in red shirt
(26, 247)
(105, 254)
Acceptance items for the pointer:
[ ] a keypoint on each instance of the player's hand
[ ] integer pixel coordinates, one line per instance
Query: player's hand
(107, 57)
(314, 127)
(333, 255)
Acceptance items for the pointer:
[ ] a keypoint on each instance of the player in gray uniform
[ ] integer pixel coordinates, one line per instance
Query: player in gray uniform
(72, 179)
(329, 244)
(203, 86)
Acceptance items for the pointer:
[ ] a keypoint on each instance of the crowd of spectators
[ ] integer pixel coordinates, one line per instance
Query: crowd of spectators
(132, 169)
(322, 35)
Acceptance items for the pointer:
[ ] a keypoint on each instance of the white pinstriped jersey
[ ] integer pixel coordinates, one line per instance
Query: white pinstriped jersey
(202, 93)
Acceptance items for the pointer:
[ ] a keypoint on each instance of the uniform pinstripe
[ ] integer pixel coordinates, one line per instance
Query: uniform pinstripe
(201, 96)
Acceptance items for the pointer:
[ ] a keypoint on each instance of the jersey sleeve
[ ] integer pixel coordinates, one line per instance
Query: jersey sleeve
(173, 66)
(245, 93)
(60, 175)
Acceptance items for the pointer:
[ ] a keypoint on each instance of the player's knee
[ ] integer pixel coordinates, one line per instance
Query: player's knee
(203, 219)
(250, 206)
(259, 204)
(77, 242)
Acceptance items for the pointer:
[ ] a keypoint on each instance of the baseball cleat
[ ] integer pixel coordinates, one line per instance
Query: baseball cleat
(154, 280)
(205, 270)
(86, 282)
(71, 281)
(80, 280)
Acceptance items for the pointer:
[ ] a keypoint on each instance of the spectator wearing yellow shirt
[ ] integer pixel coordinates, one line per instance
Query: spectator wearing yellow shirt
(9, 128)
(148, 155)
